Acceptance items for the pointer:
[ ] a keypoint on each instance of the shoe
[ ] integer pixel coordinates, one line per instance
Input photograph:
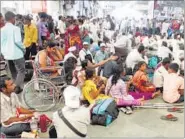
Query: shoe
(18, 90)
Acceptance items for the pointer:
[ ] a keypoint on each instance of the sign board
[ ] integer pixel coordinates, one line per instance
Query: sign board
(39, 6)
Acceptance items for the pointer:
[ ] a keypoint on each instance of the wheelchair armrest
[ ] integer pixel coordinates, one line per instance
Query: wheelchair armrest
(51, 67)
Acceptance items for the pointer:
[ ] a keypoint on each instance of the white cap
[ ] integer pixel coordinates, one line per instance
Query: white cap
(102, 44)
(85, 43)
(72, 97)
(72, 49)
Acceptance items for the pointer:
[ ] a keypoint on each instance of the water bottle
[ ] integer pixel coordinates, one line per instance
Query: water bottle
(34, 125)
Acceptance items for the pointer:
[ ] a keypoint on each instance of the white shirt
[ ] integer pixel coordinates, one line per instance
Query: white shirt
(8, 106)
(165, 27)
(61, 26)
(79, 118)
(163, 52)
(158, 78)
(133, 58)
(83, 53)
(172, 83)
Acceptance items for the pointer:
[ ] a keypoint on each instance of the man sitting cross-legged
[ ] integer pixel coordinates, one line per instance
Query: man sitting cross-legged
(12, 123)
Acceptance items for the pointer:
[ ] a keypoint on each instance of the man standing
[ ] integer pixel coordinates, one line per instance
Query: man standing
(61, 26)
(13, 50)
(31, 37)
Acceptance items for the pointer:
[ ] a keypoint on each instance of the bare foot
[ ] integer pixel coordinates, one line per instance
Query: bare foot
(142, 99)
(156, 94)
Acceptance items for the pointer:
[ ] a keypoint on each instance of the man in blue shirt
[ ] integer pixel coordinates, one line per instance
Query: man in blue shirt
(13, 50)
(100, 56)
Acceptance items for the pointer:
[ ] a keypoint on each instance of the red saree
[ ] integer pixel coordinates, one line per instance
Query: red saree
(72, 38)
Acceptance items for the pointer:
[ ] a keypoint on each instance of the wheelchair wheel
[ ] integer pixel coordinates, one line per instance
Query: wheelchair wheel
(40, 94)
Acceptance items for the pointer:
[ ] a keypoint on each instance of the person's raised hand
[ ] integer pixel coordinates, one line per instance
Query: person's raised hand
(113, 58)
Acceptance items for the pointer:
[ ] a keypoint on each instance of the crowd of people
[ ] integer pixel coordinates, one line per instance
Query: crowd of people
(102, 59)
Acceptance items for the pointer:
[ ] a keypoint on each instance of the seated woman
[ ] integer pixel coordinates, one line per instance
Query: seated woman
(118, 89)
(142, 84)
(90, 91)
(43, 60)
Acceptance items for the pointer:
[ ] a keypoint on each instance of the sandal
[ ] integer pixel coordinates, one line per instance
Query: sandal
(174, 110)
(169, 117)
(129, 110)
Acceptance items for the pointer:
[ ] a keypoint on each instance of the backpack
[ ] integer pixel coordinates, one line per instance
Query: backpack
(153, 61)
(104, 112)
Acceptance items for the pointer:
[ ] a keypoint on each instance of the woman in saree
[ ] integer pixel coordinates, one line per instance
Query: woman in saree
(142, 85)
(72, 36)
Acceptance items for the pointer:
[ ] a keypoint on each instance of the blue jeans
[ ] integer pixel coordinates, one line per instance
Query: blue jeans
(16, 129)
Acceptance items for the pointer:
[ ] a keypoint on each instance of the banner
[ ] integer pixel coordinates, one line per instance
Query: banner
(39, 6)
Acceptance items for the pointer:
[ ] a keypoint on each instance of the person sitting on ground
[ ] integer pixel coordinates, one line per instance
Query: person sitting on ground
(84, 51)
(159, 74)
(101, 54)
(135, 56)
(109, 66)
(69, 66)
(12, 124)
(173, 87)
(72, 52)
(164, 51)
(90, 91)
(77, 115)
(142, 84)
(44, 59)
(118, 89)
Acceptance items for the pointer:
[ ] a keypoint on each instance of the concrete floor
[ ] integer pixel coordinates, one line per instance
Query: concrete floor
(142, 123)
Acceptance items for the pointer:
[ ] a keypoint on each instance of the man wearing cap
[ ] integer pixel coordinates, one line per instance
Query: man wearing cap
(30, 38)
(72, 53)
(101, 54)
(78, 116)
(84, 51)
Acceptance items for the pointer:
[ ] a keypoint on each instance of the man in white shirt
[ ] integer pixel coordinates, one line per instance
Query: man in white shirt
(72, 52)
(164, 51)
(159, 74)
(78, 116)
(12, 123)
(165, 27)
(136, 56)
(84, 51)
(61, 25)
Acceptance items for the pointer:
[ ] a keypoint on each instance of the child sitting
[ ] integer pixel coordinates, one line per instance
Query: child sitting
(117, 89)
(173, 87)
(90, 91)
